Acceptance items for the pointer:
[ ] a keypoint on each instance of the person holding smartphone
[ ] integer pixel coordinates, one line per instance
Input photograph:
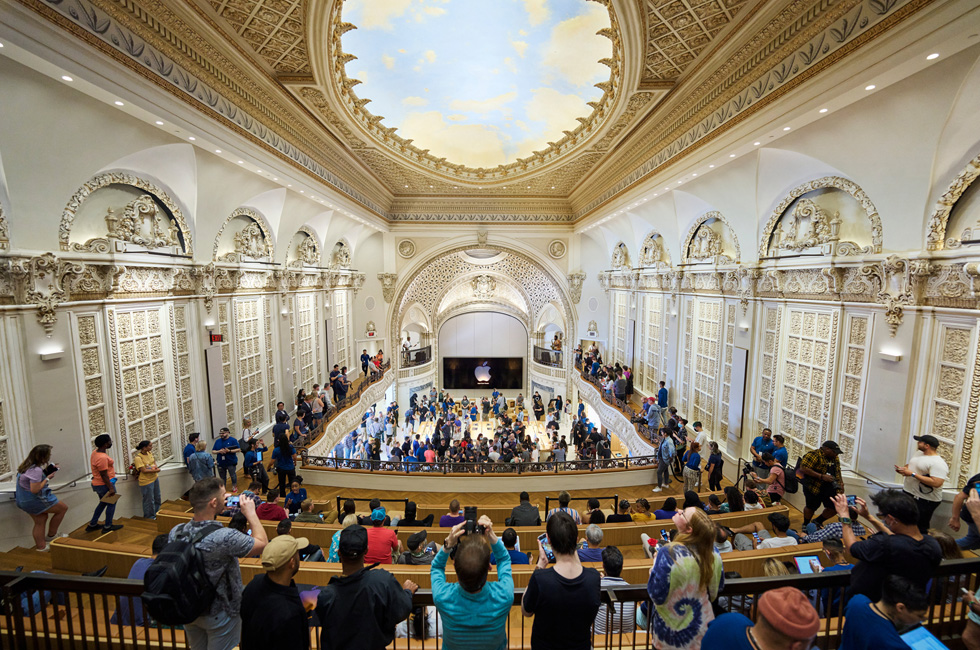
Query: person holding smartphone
(34, 496)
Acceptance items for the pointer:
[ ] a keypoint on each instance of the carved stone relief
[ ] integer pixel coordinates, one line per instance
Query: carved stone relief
(620, 257)
(252, 240)
(406, 248)
(142, 226)
(340, 258)
(557, 249)
(938, 220)
(307, 250)
(893, 280)
(575, 282)
(707, 239)
(483, 286)
(4, 232)
(653, 253)
(388, 281)
(43, 283)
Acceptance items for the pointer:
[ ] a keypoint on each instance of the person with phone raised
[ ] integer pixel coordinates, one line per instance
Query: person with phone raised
(35, 497)
(474, 612)
(564, 598)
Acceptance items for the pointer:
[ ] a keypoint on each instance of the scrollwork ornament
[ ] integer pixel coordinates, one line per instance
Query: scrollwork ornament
(4, 232)
(939, 219)
(893, 276)
(604, 280)
(575, 283)
(357, 281)
(44, 282)
(388, 281)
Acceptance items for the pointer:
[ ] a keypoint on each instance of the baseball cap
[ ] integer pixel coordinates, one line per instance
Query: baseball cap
(830, 444)
(790, 612)
(378, 514)
(280, 550)
(353, 541)
(930, 440)
(416, 540)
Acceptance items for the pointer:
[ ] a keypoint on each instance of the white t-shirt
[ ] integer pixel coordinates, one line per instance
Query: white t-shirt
(702, 439)
(923, 465)
(777, 542)
(754, 506)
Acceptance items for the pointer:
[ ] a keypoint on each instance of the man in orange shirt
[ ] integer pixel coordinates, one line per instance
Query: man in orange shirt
(382, 541)
(103, 473)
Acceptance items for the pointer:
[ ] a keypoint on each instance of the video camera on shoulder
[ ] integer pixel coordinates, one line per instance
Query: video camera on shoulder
(470, 527)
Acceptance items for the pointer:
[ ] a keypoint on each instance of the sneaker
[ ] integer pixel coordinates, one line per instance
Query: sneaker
(657, 489)
(47, 547)
(234, 491)
(91, 528)
(109, 529)
(57, 536)
(98, 573)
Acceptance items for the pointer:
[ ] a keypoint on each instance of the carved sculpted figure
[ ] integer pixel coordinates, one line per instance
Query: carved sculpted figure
(809, 226)
(706, 244)
(142, 224)
(307, 252)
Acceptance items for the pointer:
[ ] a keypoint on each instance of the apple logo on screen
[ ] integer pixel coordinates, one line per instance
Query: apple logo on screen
(483, 373)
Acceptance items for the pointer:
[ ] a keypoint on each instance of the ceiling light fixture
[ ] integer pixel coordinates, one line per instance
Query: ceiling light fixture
(787, 128)
(731, 155)
(934, 55)
(217, 150)
(192, 138)
(823, 110)
(694, 174)
(241, 162)
(65, 77)
(711, 166)
(117, 103)
(552, 187)
(302, 191)
(756, 144)
(870, 87)
(159, 123)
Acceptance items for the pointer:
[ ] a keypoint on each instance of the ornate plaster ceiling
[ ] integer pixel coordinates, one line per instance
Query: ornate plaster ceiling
(682, 72)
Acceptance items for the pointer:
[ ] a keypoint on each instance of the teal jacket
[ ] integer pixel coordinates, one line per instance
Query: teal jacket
(474, 620)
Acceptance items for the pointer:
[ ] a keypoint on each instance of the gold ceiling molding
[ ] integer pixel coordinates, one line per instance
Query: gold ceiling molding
(274, 28)
(343, 87)
(679, 30)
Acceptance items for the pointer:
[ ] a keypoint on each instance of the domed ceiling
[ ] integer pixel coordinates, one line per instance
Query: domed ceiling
(481, 85)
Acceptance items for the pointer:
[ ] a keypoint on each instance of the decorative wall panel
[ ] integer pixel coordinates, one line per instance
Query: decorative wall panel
(269, 348)
(850, 409)
(620, 316)
(142, 383)
(341, 329)
(952, 368)
(770, 364)
(307, 340)
(5, 473)
(706, 353)
(182, 368)
(687, 351)
(726, 377)
(651, 366)
(89, 344)
(252, 361)
(224, 326)
(293, 349)
(807, 378)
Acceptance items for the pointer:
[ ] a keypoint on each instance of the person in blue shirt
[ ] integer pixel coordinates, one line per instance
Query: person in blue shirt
(780, 454)
(474, 611)
(189, 447)
(124, 615)
(295, 497)
(509, 538)
(227, 450)
(252, 462)
(834, 550)
(581, 409)
(283, 456)
(280, 428)
(786, 620)
(869, 625)
(761, 445)
(365, 360)
(668, 511)
(662, 395)
(592, 551)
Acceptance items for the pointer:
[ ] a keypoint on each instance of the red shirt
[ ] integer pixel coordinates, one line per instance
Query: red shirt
(270, 512)
(381, 543)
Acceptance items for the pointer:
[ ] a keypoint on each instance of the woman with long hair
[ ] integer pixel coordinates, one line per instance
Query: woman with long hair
(686, 576)
(733, 500)
(35, 497)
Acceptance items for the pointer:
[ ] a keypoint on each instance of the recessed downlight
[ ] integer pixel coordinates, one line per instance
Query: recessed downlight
(118, 103)
(192, 138)
(65, 77)
(731, 155)
(756, 144)
(217, 150)
(711, 166)
(158, 123)
(787, 128)
(824, 110)
(241, 162)
(934, 55)
(870, 87)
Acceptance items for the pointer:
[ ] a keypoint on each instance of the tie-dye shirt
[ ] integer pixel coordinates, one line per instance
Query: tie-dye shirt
(682, 610)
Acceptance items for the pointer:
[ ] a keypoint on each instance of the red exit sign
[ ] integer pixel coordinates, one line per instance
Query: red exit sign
(217, 338)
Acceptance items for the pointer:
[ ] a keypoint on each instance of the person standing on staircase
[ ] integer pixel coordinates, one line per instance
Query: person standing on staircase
(148, 478)
(104, 484)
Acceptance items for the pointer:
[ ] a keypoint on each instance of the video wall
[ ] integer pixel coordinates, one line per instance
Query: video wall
(505, 373)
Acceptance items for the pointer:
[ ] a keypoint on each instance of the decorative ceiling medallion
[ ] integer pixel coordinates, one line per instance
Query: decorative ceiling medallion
(572, 140)
(557, 249)
(406, 248)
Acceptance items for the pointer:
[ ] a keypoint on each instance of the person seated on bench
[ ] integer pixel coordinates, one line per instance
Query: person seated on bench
(524, 514)
(418, 553)
(752, 501)
(595, 515)
(309, 552)
(122, 615)
(714, 505)
(294, 498)
(745, 536)
(563, 500)
(622, 514)
(668, 511)
(903, 603)
(723, 543)
(641, 511)
(786, 621)
(623, 617)
(509, 538)
(592, 551)
(411, 517)
(373, 505)
(454, 517)
(271, 510)
(306, 514)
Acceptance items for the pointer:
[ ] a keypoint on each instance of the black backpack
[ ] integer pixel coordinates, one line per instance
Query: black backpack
(792, 484)
(177, 587)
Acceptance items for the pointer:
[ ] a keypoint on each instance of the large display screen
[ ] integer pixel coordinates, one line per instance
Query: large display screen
(505, 373)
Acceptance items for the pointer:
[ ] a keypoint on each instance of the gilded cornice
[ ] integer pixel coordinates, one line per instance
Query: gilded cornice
(803, 39)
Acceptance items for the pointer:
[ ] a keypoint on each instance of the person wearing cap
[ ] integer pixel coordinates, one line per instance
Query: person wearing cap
(868, 624)
(148, 479)
(103, 475)
(924, 475)
(418, 552)
(361, 607)
(273, 616)
(474, 612)
(786, 621)
(383, 542)
(821, 481)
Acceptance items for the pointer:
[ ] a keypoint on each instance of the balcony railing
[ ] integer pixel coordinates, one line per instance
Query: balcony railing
(417, 357)
(484, 468)
(46, 610)
(330, 411)
(548, 357)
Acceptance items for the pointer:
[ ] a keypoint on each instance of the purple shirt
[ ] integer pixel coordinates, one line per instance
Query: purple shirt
(448, 521)
(33, 474)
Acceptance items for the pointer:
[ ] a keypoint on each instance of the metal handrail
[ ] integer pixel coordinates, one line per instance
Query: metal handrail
(450, 467)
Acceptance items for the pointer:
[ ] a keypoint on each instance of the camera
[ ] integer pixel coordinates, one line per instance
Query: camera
(470, 527)
(747, 469)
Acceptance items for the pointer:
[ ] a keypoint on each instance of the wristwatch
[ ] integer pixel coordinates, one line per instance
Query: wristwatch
(845, 520)
(913, 474)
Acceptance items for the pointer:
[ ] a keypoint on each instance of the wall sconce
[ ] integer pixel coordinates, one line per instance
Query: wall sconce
(285, 311)
(743, 327)
(52, 355)
(893, 356)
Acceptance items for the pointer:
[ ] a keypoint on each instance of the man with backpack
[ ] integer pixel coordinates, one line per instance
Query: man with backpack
(175, 587)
